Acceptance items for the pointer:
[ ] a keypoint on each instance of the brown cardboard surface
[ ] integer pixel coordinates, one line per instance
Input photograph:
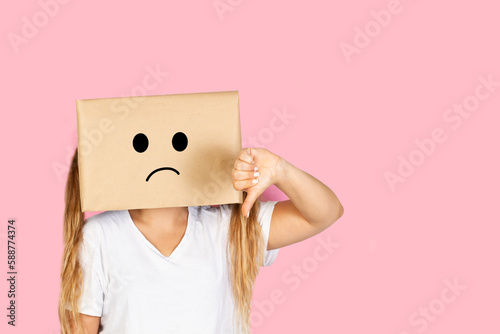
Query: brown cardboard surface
(113, 174)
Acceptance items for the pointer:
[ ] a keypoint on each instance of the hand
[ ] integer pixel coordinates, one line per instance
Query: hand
(254, 171)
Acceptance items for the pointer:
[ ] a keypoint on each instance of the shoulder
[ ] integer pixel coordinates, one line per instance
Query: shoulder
(97, 225)
(265, 211)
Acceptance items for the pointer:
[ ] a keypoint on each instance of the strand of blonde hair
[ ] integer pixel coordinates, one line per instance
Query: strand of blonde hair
(246, 249)
(71, 273)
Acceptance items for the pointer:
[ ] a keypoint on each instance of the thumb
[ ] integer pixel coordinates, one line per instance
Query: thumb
(251, 153)
(249, 202)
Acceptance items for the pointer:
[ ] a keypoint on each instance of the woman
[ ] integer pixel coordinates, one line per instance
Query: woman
(185, 269)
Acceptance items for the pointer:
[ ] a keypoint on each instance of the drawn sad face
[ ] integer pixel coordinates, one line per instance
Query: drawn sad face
(158, 151)
(179, 143)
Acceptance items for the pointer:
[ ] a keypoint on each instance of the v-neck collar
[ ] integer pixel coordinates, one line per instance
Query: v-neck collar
(177, 249)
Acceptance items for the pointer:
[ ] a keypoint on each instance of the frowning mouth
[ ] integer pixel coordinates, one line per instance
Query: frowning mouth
(159, 169)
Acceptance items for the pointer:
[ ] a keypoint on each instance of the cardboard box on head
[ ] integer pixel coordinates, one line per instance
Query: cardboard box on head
(158, 151)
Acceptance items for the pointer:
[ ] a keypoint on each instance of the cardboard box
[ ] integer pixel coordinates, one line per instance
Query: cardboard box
(158, 151)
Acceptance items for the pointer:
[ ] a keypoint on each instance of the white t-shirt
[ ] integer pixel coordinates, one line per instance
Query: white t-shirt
(136, 289)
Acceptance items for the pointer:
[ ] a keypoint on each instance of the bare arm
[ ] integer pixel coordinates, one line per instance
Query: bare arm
(312, 206)
(311, 209)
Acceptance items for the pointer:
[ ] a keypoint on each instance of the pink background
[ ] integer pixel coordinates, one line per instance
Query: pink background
(352, 119)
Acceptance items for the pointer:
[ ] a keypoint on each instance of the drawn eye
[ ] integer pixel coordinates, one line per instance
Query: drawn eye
(140, 142)
(179, 141)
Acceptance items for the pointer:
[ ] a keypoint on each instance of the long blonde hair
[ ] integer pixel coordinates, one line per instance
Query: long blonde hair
(246, 253)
